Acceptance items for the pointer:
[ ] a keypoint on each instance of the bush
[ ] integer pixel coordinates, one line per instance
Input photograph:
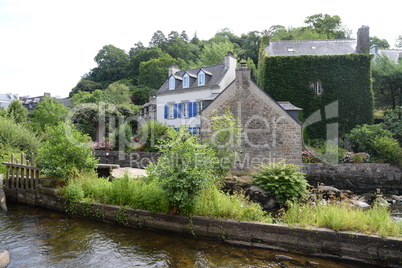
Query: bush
(151, 134)
(184, 170)
(387, 149)
(282, 181)
(65, 151)
(393, 122)
(361, 137)
(122, 137)
(17, 137)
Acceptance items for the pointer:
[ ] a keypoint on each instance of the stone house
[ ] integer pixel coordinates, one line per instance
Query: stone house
(269, 132)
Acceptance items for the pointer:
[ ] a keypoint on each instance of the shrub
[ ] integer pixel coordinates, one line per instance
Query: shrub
(65, 151)
(184, 170)
(361, 137)
(281, 180)
(17, 137)
(151, 134)
(122, 137)
(387, 149)
(393, 122)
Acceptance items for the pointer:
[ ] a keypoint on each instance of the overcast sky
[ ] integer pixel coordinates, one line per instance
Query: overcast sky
(46, 46)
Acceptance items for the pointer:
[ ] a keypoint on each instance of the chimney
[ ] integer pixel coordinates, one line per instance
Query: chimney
(363, 39)
(243, 75)
(173, 69)
(46, 95)
(230, 61)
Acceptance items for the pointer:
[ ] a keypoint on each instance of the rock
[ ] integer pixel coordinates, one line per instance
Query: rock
(282, 257)
(4, 258)
(260, 196)
(324, 188)
(360, 204)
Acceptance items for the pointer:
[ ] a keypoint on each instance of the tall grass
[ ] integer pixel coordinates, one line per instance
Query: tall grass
(143, 193)
(341, 217)
(214, 203)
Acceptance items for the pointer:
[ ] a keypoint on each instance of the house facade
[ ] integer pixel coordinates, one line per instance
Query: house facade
(6, 99)
(270, 130)
(329, 79)
(186, 93)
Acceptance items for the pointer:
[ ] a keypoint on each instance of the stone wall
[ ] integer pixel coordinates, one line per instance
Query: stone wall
(269, 133)
(359, 178)
(317, 242)
(131, 159)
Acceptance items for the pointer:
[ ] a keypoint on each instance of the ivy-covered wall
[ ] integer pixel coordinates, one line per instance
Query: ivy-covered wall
(344, 78)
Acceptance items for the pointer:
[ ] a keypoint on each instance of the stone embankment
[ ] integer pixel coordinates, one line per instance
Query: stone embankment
(319, 242)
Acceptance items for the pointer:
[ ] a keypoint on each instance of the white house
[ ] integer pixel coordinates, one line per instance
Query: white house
(181, 98)
(6, 99)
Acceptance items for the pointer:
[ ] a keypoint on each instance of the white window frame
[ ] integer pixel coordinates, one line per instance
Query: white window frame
(201, 78)
(172, 83)
(170, 110)
(186, 81)
(318, 88)
(184, 108)
(200, 106)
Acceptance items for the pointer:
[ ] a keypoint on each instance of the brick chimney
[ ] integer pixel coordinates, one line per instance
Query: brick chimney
(243, 75)
(363, 40)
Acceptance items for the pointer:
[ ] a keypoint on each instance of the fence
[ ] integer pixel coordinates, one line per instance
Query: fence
(21, 173)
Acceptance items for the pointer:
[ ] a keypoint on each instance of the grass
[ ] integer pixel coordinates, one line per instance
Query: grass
(342, 217)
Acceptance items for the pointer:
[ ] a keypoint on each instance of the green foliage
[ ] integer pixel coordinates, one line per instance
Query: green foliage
(48, 113)
(346, 79)
(151, 134)
(16, 137)
(73, 192)
(184, 170)
(213, 203)
(387, 149)
(393, 122)
(65, 151)
(85, 85)
(380, 43)
(330, 26)
(281, 180)
(341, 217)
(122, 137)
(224, 140)
(118, 93)
(17, 112)
(387, 82)
(361, 137)
(214, 53)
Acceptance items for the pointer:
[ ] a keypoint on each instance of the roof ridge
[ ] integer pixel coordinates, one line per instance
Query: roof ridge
(201, 67)
(318, 40)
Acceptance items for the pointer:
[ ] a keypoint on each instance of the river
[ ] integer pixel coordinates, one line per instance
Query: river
(37, 237)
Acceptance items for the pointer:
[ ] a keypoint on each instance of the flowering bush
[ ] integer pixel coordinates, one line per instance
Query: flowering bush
(103, 145)
(307, 157)
(351, 157)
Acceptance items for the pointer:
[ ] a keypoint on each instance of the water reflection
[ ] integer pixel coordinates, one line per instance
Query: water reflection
(37, 237)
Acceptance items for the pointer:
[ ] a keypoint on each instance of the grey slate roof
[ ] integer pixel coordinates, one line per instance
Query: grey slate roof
(214, 75)
(286, 105)
(311, 47)
(393, 54)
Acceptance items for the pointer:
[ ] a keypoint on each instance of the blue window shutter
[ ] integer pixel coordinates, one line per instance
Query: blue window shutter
(166, 115)
(179, 112)
(175, 110)
(190, 109)
(193, 109)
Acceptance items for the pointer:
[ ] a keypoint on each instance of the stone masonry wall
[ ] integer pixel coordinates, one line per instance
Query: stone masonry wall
(358, 178)
(131, 159)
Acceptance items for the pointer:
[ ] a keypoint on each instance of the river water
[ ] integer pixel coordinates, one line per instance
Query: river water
(37, 237)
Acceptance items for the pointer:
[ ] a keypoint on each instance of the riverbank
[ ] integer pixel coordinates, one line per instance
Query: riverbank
(318, 242)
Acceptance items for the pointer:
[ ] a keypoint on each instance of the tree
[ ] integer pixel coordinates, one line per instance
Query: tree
(387, 84)
(250, 44)
(118, 93)
(140, 54)
(213, 53)
(85, 85)
(380, 43)
(399, 41)
(153, 73)
(112, 66)
(328, 25)
(48, 113)
(17, 112)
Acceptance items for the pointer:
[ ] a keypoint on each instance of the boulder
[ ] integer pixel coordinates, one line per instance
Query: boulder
(262, 197)
(4, 258)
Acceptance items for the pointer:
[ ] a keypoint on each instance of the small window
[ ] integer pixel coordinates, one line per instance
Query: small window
(172, 83)
(171, 110)
(201, 78)
(186, 81)
(200, 107)
(317, 86)
(185, 109)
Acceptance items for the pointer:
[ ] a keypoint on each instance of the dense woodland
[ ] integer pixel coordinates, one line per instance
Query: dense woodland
(143, 69)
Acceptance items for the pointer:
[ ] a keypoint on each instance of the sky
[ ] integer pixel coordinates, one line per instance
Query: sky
(48, 45)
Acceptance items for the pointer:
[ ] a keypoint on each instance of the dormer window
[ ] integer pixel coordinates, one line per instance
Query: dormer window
(186, 81)
(201, 78)
(317, 86)
(172, 83)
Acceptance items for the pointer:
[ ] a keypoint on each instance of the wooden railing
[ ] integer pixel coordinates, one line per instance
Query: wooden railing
(21, 173)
